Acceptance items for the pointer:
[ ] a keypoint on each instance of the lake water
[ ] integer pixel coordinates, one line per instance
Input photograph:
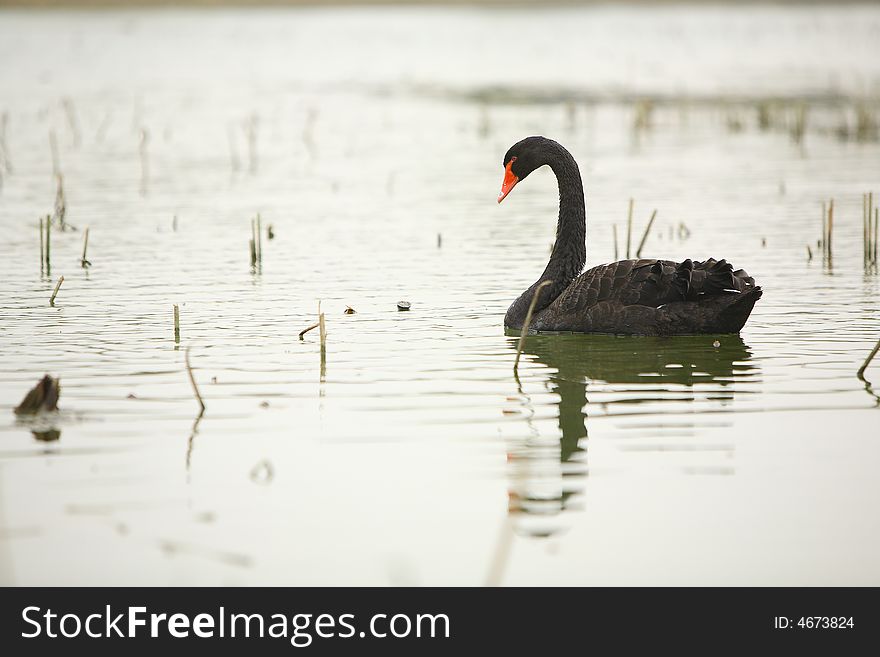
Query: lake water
(371, 141)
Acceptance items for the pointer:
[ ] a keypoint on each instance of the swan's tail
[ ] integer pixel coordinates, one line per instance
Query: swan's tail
(735, 314)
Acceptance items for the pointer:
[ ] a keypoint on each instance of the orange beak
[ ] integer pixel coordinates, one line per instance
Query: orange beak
(509, 183)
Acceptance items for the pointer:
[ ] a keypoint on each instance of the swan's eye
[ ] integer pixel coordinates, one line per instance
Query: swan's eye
(513, 159)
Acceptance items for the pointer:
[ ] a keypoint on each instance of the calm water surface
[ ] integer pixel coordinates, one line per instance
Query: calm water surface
(413, 455)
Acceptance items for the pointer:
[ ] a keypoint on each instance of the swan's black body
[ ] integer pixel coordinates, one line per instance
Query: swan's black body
(636, 297)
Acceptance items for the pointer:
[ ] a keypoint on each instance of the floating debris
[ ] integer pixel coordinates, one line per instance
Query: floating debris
(403, 305)
(47, 435)
(270, 232)
(716, 344)
(349, 310)
(262, 472)
(264, 404)
(42, 397)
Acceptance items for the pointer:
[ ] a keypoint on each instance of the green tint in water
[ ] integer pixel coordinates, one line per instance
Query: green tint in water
(406, 451)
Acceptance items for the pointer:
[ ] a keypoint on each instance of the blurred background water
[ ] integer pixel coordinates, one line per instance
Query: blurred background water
(371, 140)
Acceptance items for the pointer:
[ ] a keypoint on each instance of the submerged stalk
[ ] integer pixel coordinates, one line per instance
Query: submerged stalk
(525, 326)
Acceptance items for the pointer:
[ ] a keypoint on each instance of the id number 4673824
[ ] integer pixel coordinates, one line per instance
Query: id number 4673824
(814, 623)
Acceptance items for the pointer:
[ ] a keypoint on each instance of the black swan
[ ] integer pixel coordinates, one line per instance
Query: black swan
(634, 297)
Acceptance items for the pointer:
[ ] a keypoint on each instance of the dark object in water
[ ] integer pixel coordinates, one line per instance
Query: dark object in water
(636, 297)
(403, 305)
(43, 397)
(270, 232)
(47, 436)
(349, 310)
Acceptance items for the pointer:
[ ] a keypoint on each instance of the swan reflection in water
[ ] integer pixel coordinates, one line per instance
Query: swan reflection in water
(548, 472)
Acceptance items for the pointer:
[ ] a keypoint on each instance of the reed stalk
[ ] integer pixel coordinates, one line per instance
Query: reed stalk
(176, 324)
(614, 229)
(259, 238)
(53, 147)
(866, 235)
(48, 245)
(645, 235)
(42, 248)
(55, 291)
(876, 226)
(528, 320)
(629, 223)
(861, 372)
(84, 263)
(307, 329)
(830, 225)
(192, 380)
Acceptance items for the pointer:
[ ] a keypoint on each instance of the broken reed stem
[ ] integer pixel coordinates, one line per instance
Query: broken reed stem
(48, 245)
(809, 253)
(866, 233)
(307, 329)
(42, 248)
(192, 380)
(525, 326)
(830, 225)
(868, 360)
(645, 236)
(629, 225)
(83, 261)
(55, 291)
(53, 146)
(614, 228)
(872, 238)
(176, 324)
(259, 241)
(322, 325)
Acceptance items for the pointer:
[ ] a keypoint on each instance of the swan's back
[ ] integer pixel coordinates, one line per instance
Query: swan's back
(653, 297)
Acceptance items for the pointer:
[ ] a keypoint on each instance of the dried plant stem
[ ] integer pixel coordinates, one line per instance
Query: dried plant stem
(629, 225)
(176, 324)
(876, 226)
(528, 320)
(42, 248)
(307, 329)
(192, 380)
(84, 261)
(53, 147)
(645, 235)
(48, 245)
(614, 229)
(830, 226)
(55, 291)
(866, 232)
(868, 360)
(259, 239)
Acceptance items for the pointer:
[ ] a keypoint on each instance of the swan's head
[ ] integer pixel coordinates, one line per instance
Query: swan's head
(521, 159)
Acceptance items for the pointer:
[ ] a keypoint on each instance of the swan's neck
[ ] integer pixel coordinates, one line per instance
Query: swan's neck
(570, 249)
